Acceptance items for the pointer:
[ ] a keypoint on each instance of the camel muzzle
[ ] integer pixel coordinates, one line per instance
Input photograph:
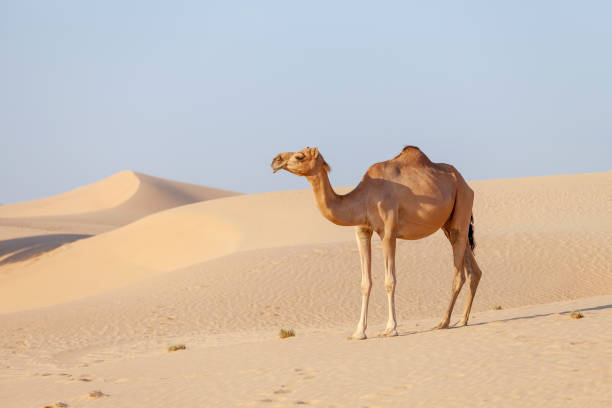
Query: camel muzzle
(278, 163)
(277, 168)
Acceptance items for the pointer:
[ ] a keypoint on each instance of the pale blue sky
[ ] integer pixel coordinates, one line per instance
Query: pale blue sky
(208, 92)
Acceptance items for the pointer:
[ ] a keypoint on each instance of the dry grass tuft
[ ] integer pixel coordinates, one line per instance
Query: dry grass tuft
(97, 394)
(576, 314)
(176, 347)
(57, 405)
(283, 334)
(498, 307)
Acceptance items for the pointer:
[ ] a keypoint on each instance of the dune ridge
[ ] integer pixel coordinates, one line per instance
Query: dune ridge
(97, 196)
(117, 200)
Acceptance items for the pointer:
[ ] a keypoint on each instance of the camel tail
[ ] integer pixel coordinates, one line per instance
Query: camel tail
(471, 233)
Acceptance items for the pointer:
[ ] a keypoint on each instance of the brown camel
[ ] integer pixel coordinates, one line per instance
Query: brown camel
(407, 197)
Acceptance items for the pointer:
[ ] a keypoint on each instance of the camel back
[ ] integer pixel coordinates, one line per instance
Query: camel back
(414, 156)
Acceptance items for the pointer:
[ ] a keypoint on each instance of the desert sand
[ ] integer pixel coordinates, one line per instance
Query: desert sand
(96, 283)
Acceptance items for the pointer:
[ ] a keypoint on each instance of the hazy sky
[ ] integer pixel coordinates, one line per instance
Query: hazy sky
(208, 92)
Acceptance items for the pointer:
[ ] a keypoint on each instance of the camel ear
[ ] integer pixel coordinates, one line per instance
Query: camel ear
(314, 152)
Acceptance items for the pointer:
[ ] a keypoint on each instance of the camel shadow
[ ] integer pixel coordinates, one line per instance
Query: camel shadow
(21, 249)
(533, 316)
(413, 332)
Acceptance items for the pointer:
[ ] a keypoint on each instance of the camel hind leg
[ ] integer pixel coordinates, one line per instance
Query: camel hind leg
(457, 230)
(473, 276)
(459, 244)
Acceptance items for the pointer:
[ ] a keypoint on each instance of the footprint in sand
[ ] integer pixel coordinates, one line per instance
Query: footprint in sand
(304, 372)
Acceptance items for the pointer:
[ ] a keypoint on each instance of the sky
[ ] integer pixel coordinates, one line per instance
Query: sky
(208, 92)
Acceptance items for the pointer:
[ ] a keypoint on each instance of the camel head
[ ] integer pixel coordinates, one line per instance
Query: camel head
(306, 162)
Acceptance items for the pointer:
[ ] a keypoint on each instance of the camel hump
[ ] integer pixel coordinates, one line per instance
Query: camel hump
(413, 155)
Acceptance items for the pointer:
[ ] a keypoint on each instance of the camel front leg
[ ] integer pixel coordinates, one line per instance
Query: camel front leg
(364, 240)
(388, 245)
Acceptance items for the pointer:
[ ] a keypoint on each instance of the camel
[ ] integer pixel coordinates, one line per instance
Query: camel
(408, 197)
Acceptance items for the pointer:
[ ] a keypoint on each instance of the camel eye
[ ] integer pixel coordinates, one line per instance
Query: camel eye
(300, 157)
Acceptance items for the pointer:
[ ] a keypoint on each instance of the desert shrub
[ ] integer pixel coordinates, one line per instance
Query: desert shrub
(177, 347)
(283, 334)
(576, 314)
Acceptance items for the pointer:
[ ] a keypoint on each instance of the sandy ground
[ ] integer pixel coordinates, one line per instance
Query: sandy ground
(151, 267)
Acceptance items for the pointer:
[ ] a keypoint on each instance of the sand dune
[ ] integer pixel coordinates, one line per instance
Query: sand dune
(30, 229)
(224, 275)
(165, 241)
(102, 195)
(98, 207)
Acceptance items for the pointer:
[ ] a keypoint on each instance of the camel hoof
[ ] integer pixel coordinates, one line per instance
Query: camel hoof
(442, 325)
(358, 336)
(461, 323)
(388, 333)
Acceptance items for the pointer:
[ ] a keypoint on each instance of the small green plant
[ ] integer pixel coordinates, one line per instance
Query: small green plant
(576, 314)
(176, 347)
(283, 334)
(498, 307)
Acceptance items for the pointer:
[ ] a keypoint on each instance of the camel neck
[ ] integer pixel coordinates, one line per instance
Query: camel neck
(340, 209)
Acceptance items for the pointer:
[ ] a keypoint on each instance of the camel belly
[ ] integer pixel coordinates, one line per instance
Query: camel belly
(411, 230)
(422, 220)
